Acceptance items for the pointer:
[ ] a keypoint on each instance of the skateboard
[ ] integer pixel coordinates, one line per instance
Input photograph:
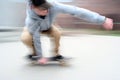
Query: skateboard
(62, 62)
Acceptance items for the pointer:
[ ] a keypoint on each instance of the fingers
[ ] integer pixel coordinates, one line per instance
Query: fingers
(108, 25)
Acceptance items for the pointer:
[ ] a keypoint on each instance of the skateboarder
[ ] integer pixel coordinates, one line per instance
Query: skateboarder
(40, 18)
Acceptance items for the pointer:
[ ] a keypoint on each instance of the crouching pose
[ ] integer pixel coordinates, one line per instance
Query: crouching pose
(40, 19)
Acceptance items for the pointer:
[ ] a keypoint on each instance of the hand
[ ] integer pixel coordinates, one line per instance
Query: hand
(43, 60)
(108, 25)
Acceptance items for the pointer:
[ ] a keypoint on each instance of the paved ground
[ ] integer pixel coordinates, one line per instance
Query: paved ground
(95, 58)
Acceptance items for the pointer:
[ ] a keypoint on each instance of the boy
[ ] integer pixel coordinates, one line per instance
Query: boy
(40, 19)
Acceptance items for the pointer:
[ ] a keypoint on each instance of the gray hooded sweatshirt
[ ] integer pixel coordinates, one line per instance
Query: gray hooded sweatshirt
(35, 24)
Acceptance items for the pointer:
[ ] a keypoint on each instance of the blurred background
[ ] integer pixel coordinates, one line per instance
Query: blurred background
(13, 12)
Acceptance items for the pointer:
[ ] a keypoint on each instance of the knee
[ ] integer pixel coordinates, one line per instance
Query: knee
(57, 33)
(25, 38)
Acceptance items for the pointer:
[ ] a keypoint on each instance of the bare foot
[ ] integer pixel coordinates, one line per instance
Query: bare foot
(43, 60)
(108, 25)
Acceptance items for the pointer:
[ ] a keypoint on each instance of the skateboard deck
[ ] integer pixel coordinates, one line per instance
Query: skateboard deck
(62, 62)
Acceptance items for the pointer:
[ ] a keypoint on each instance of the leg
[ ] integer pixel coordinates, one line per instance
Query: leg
(27, 39)
(56, 34)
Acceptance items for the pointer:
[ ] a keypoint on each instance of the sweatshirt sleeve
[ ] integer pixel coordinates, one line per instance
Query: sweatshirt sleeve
(81, 13)
(37, 43)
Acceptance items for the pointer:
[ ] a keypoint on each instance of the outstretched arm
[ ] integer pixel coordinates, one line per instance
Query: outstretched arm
(85, 14)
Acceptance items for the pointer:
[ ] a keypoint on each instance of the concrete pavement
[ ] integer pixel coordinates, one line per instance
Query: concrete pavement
(95, 58)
